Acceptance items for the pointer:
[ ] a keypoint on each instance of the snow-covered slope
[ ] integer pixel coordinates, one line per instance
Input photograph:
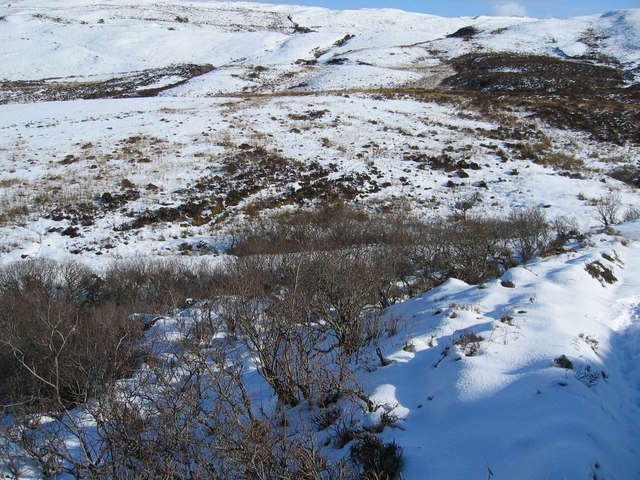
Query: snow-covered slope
(508, 408)
(43, 39)
(60, 155)
(252, 108)
(532, 375)
(182, 51)
(94, 50)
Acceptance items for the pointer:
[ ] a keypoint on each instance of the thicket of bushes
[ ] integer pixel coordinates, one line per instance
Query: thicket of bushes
(58, 342)
(302, 293)
(467, 247)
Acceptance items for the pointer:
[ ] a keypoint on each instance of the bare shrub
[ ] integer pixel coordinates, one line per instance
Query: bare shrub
(530, 232)
(472, 251)
(298, 323)
(378, 460)
(563, 230)
(563, 362)
(154, 286)
(477, 249)
(471, 248)
(628, 173)
(631, 213)
(253, 284)
(345, 285)
(464, 203)
(58, 346)
(608, 209)
(383, 238)
(189, 416)
(329, 227)
(601, 272)
(589, 376)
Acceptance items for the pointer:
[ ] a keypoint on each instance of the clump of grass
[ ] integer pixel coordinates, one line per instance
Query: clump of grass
(600, 272)
(563, 362)
(469, 343)
(379, 460)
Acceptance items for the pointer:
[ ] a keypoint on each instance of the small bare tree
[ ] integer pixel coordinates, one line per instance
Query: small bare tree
(608, 209)
(462, 204)
(530, 232)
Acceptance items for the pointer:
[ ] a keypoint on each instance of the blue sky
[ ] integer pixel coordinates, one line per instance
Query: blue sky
(456, 8)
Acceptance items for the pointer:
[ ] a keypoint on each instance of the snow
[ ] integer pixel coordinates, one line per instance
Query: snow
(507, 409)
(360, 76)
(64, 38)
(187, 138)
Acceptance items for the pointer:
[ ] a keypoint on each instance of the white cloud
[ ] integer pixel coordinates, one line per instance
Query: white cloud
(509, 9)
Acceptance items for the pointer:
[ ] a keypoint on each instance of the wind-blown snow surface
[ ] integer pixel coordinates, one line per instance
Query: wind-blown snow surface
(509, 408)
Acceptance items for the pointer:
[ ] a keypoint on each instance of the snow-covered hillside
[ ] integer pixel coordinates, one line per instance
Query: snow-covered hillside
(122, 158)
(508, 408)
(166, 127)
(313, 47)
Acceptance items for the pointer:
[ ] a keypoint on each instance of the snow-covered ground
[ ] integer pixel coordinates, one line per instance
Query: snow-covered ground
(500, 405)
(56, 155)
(509, 408)
(42, 39)
(332, 94)
(173, 143)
